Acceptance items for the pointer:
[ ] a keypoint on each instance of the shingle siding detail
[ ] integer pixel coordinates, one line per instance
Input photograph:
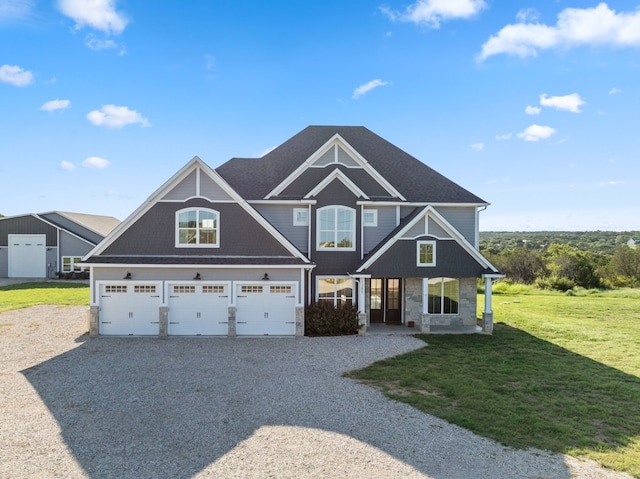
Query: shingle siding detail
(154, 233)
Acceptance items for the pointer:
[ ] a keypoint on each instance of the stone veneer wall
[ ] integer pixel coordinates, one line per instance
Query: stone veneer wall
(466, 307)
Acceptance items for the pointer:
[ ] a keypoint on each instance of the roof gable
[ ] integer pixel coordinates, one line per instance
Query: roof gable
(336, 151)
(195, 180)
(425, 222)
(337, 175)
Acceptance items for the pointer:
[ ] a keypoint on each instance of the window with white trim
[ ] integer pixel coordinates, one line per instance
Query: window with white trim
(443, 295)
(369, 217)
(336, 228)
(197, 227)
(426, 253)
(336, 290)
(300, 217)
(71, 263)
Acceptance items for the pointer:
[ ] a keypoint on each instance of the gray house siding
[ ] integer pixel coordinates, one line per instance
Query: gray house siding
(4, 261)
(400, 261)
(462, 219)
(386, 223)
(72, 246)
(281, 216)
(154, 233)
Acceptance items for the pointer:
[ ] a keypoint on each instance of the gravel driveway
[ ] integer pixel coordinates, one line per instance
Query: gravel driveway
(224, 407)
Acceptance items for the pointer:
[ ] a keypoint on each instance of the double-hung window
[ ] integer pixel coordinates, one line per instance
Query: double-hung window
(426, 253)
(336, 228)
(198, 227)
(71, 263)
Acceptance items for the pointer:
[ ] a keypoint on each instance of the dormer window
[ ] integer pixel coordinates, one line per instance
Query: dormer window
(336, 228)
(197, 227)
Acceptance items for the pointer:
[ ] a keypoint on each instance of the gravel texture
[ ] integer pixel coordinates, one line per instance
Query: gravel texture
(224, 407)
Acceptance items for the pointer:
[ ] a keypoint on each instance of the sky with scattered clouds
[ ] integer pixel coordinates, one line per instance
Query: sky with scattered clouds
(533, 106)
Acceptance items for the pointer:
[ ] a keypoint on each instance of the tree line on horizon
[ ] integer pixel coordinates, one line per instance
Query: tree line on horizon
(564, 260)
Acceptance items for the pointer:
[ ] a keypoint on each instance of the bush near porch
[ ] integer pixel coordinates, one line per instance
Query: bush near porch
(324, 319)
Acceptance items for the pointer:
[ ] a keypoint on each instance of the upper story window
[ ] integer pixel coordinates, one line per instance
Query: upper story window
(198, 227)
(300, 217)
(426, 253)
(370, 217)
(336, 228)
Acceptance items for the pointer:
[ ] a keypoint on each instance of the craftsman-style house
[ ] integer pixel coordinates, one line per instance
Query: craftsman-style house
(335, 214)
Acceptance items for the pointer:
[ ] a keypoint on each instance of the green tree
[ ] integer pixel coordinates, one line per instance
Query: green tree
(578, 266)
(521, 265)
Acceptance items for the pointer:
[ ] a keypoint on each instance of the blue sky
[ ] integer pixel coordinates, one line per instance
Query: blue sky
(533, 106)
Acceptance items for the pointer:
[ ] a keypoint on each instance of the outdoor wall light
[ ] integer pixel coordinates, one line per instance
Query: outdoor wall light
(265, 277)
(197, 276)
(127, 276)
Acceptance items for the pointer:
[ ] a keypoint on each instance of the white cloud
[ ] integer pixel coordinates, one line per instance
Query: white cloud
(477, 146)
(16, 76)
(611, 183)
(67, 165)
(98, 14)
(95, 162)
(536, 132)
(532, 110)
(614, 91)
(367, 87)
(113, 116)
(571, 102)
(431, 12)
(506, 136)
(15, 9)
(56, 105)
(527, 15)
(576, 26)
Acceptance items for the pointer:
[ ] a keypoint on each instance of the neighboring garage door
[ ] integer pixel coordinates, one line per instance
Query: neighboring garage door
(264, 309)
(27, 256)
(198, 309)
(130, 308)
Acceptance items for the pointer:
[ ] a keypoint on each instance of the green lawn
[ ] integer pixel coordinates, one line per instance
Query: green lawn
(560, 373)
(23, 295)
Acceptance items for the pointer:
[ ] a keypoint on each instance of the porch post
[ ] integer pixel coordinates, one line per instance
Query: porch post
(487, 315)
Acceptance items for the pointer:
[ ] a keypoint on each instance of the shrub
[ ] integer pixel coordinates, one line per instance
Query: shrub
(554, 282)
(324, 319)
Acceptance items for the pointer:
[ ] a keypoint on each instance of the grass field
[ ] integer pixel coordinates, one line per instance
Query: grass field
(23, 295)
(560, 373)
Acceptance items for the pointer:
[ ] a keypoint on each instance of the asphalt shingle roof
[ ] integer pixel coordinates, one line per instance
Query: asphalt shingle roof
(254, 178)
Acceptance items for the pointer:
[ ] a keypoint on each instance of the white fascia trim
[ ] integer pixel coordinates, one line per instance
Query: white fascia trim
(418, 204)
(333, 141)
(199, 266)
(283, 202)
(337, 175)
(444, 224)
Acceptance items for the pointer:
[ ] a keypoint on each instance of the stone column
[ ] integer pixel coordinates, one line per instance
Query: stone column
(487, 315)
(94, 314)
(164, 322)
(362, 323)
(300, 321)
(425, 323)
(232, 320)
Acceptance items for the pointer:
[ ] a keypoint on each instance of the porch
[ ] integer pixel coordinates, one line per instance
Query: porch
(398, 329)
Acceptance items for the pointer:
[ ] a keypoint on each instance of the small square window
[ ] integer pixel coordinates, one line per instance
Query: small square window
(426, 253)
(370, 217)
(300, 217)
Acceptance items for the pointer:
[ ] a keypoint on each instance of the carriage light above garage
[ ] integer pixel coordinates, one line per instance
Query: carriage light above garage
(127, 276)
(197, 276)
(265, 277)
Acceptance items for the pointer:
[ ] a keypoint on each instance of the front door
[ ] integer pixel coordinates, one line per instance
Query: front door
(385, 300)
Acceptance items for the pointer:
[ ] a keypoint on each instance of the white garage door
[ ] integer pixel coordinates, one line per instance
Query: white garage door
(198, 309)
(264, 309)
(130, 308)
(27, 256)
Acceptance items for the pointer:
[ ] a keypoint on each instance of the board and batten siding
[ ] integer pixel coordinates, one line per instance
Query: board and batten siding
(387, 216)
(281, 216)
(462, 219)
